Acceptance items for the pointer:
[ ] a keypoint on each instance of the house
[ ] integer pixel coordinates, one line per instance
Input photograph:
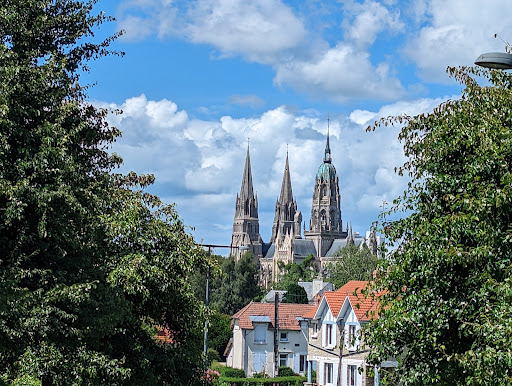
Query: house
(252, 344)
(338, 318)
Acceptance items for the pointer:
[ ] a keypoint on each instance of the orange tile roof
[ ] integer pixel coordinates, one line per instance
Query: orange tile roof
(288, 314)
(360, 305)
(365, 308)
(336, 298)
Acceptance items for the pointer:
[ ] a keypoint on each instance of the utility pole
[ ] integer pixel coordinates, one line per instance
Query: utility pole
(276, 334)
(342, 344)
(207, 302)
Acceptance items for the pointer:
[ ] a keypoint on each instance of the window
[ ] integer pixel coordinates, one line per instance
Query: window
(328, 370)
(283, 360)
(283, 337)
(351, 336)
(328, 336)
(352, 375)
(315, 330)
(260, 333)
(302, 363)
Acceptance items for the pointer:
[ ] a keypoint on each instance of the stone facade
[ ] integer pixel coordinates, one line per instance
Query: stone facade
(324, 237)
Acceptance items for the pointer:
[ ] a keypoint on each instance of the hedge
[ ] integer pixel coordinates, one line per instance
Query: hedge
(280, 381)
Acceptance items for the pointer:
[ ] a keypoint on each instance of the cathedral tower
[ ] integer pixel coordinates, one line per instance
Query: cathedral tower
(325, 224)
(246, 228)
(287, 217)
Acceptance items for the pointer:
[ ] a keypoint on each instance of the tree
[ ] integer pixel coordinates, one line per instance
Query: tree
(236, 286)
(295, 294)
(352, 263)
(91, 265)
(219, 332)
(292, 273)
(445, 287)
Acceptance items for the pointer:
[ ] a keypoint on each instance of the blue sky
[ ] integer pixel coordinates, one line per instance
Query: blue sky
(201, 76)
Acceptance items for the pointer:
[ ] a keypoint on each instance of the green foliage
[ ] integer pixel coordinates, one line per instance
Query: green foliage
(352, 263)
(295, 294)
(294, 272)
(91, 265)
(236, 285)
(230, 372)
(285, 371)
(212, 355)
(281, 381)
(446, 315)
(219, 331)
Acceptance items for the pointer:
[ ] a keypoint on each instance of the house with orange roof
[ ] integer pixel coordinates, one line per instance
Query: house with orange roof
(252, 344)
(336, 321)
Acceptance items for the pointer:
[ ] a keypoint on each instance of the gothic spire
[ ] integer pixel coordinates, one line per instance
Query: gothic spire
(286, 187)
(327, 154)
(246, 190)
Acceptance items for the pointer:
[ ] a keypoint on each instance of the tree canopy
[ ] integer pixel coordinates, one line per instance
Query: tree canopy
(91, 264)
(351, 262)
(292, 273)
(295, 294)
(445, 313)
(233, 285)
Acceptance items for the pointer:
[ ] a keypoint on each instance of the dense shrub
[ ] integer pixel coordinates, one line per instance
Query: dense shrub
(281, 381)
(230, 372)
(286, 372)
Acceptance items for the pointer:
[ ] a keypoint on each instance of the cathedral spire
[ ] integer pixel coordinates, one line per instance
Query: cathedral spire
(246, 190)
(246, 228)
(287, 217)
(286, 187)
(327, 153)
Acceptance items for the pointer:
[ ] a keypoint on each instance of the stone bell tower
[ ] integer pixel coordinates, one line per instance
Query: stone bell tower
(246, 227)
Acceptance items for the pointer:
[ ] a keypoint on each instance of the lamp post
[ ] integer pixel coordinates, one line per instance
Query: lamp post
(207, 302)
(496, 60)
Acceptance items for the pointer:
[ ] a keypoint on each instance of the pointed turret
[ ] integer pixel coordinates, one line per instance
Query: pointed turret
(350, 237)
(327, 153)
(246, 190)
(286, 196)
(287, 217)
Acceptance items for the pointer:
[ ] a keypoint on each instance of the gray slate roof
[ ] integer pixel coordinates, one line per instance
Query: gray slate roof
(304, 247)
(340, 243)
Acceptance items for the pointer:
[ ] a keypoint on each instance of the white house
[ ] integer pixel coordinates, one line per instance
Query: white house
(338, 318)
(252, 345)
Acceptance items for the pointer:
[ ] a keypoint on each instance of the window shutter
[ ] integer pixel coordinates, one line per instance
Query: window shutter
(296, 363)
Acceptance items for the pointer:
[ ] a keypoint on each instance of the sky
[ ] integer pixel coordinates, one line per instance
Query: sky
(200, 79)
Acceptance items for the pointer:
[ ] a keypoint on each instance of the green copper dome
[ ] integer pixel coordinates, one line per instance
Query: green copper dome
(326, 172)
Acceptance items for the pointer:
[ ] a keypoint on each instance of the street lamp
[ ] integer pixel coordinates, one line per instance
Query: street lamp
(496, 60)
(210, 246)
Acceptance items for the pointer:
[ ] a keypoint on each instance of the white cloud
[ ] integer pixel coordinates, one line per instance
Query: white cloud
(270, 32)
(198, 164)
(367, 20)
(341, 72)
(256, 30)
(455, 33)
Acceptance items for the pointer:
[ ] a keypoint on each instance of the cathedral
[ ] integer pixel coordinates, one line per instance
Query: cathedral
(324, 237)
